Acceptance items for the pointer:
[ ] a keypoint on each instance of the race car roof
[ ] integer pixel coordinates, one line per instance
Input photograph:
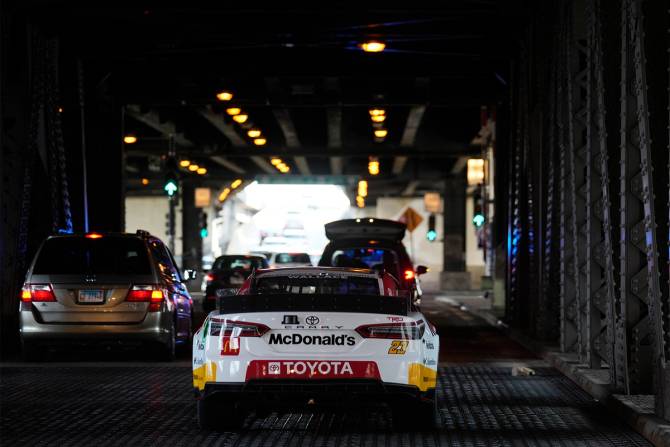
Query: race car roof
(316, 271)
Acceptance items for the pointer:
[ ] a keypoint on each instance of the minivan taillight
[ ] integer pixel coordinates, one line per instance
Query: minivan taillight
(37, 293)
(147, 294)
(395, 331)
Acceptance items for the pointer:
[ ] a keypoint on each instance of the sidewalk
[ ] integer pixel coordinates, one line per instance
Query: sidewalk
(636, 410)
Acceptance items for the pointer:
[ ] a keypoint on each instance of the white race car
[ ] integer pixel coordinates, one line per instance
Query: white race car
(308, 337)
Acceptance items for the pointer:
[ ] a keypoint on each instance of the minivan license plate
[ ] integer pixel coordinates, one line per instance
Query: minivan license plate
(91, 296)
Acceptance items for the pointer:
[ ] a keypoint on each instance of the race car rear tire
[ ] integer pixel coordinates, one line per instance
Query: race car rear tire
(420, 415)
(219, 414)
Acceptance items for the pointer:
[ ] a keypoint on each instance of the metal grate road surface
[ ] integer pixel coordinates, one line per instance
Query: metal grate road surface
(127, 406)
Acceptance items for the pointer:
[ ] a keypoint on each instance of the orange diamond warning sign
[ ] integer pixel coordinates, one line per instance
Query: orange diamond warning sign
(411, 218)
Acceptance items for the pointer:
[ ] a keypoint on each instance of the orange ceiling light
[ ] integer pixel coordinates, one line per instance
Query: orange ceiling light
(185, 163)
(241, 118)
(232, 111)
(236, 183)
(254, 133)
(193, 168)
(373, 166)
(130, 139)
(224, 96)
(373, 46)
(202, 171)
(381, 133)
(378, 118)
(260, 141)
(275, 161)
(377, 112)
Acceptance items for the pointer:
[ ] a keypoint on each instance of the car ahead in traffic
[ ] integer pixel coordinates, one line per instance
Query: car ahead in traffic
(307, 338)
(375, 244)
(229, 272)
(286, 259)
(105, 289)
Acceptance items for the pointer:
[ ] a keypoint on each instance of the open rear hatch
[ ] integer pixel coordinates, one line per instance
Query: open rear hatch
(365, 228)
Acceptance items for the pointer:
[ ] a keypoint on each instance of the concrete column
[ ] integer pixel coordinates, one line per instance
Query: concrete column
(191, 241)
(454, 276)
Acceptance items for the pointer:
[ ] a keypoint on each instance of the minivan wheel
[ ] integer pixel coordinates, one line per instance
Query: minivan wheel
(31, 352)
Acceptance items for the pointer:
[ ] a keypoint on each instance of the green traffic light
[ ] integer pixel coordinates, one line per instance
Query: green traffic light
(171, 187)
(203, 233)
(479, 220)
(431, 235)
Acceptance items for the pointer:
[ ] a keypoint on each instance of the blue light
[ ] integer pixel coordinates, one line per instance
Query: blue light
(203, 233)
(431, 235)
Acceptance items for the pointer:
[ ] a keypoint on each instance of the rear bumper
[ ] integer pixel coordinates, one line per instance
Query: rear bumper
(154, 328)
(292, 393)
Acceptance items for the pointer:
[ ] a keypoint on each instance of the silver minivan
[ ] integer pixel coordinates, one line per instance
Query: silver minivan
(105, 288)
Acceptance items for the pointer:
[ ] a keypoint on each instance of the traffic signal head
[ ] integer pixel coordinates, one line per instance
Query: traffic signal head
(171, 187)
(431, 234)
(202, 224)
(479, 220)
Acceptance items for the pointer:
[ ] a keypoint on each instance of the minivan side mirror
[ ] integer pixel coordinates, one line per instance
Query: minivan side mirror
(421, 269)
(189, 274)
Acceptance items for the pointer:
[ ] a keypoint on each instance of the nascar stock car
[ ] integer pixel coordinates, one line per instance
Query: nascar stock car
(312, 337)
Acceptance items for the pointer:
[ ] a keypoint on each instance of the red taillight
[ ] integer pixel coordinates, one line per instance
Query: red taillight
(231, 331)
(147, 294)
(94, 236)
(37, 293)
(409, 274)
(396, 331)
(210, 277)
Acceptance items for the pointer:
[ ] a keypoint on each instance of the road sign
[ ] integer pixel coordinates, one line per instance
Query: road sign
(411, 218)
(431, 201)
(203, 197)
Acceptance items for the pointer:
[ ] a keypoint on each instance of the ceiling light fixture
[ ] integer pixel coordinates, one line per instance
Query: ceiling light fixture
(363, 188)
(232, 111)
(202, 171)
(193, 168)
(275, 161)
(360, 202)
(377, 112)
(378, 118)
(373, 46)
(184, 163)
(236, 183)
(260, 141)
(254, 133)
(381, 133)
(241, 118)
(224, 96)
(130, 139)
(373, 166)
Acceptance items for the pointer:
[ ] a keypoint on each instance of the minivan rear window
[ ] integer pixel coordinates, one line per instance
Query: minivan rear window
(108, 255)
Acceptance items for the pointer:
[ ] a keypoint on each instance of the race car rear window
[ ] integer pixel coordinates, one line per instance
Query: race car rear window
(108, 255)
(316, 285)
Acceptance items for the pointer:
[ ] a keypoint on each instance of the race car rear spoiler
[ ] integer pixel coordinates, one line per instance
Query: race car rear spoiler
(308, 302)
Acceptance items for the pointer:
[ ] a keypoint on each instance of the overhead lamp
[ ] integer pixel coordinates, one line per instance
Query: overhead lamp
(260, 141)
(476, 171)
(377, 112)
(378, 118)
(224, 194)
(285, 169)
(373, 166)
(145, 181)
(373, 46)
(232, 111)
(130, 139)
(363, 188)
(275, 161)
(381, 133)
(360, 202)
(241, 118)
(185, 163)
(202, 171)
(236, 183)
(254, 133)
(193, 168)
(280, 166)
(224, 96)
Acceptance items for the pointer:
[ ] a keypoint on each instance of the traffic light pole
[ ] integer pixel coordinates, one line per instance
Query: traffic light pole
(171, 222)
